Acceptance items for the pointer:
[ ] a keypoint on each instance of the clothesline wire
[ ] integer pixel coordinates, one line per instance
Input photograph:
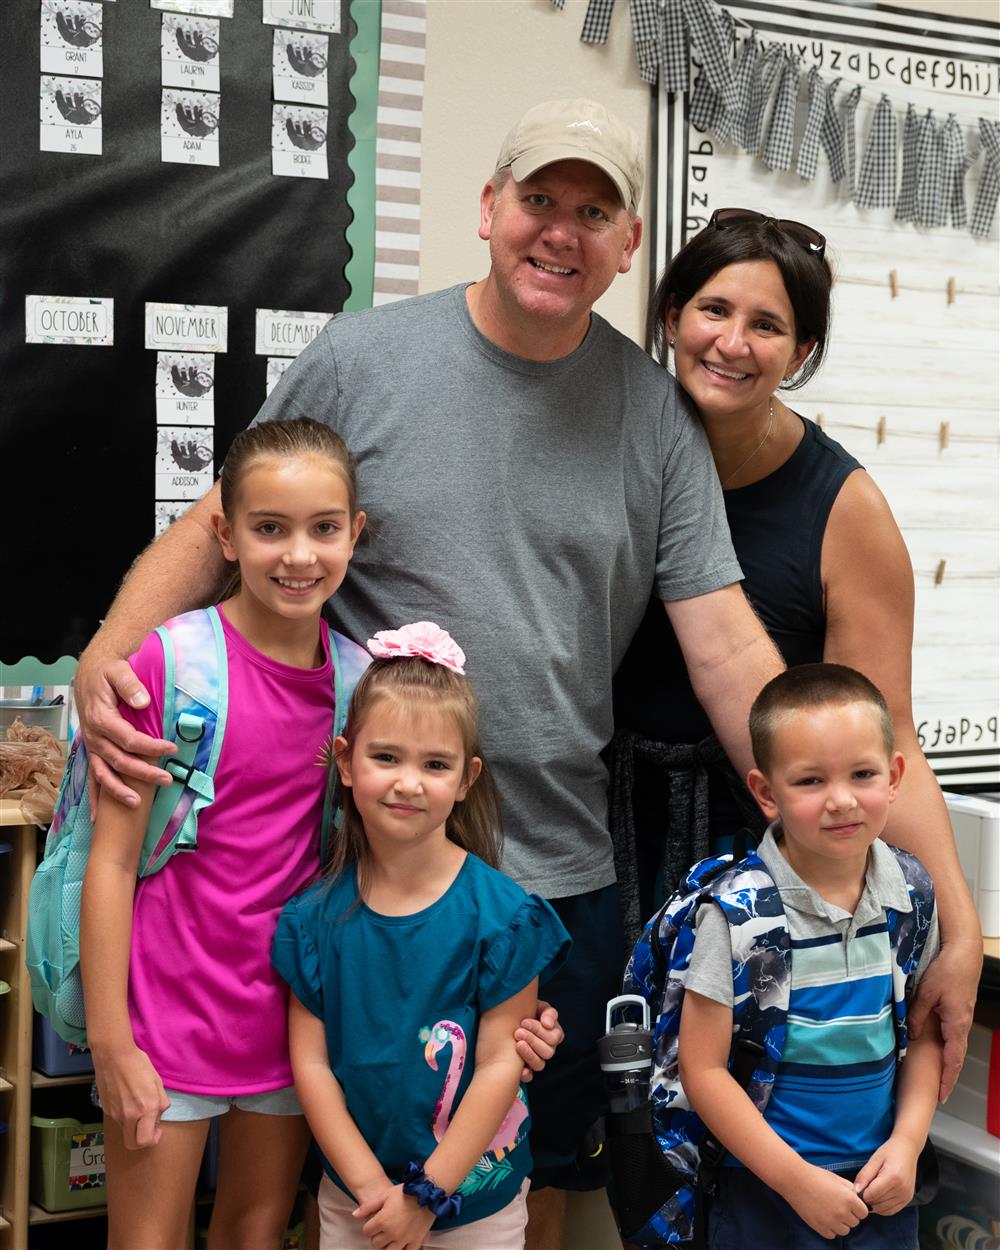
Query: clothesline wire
(989, 440)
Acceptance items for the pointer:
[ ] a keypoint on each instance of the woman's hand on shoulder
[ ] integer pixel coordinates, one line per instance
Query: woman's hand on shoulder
(132, 1094)
(537, 1039)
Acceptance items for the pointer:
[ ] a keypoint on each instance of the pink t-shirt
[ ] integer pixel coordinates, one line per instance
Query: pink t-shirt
(204, 1001)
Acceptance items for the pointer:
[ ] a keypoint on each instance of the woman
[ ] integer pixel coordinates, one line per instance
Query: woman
(745, 309)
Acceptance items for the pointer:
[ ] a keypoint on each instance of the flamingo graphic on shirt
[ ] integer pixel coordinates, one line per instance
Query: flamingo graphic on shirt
(512, 1129)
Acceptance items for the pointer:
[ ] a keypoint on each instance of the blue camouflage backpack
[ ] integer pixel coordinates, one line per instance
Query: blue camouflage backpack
(195, 707)
(664, 1161)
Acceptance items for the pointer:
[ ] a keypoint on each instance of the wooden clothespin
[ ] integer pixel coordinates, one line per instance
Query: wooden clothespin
(894, 283)
(951, 290)
(943, 435)
(939, 573)
(880, 431)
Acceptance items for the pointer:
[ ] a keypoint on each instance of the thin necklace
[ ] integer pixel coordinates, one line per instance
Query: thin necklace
(767, 435)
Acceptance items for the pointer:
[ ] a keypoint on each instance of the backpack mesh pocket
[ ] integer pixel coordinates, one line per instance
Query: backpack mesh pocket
(641, 1178)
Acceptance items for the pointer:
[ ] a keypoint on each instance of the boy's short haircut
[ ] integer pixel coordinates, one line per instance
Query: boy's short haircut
(810, 686)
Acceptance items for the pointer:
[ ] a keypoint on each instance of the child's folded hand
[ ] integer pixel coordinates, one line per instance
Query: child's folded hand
(827, 1202)
(400, 1224)
(886, 1181)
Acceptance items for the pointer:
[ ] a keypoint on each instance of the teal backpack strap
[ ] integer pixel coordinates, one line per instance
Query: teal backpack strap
(349, 661)
(196, 686)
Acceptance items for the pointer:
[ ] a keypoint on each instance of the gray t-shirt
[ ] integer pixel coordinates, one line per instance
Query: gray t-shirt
(531, 509)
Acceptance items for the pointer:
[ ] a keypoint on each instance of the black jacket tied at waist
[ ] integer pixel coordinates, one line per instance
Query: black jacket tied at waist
(685, 768)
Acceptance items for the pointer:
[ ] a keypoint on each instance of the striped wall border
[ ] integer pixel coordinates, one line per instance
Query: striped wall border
(397, 150)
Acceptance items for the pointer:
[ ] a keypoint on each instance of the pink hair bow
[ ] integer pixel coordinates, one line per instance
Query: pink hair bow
(422, 639)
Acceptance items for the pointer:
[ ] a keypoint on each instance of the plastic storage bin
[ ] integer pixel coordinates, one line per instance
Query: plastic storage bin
(51, 1055)
(67, 1164)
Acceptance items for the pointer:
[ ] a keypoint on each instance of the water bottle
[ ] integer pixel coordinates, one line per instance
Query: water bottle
(625, 1053)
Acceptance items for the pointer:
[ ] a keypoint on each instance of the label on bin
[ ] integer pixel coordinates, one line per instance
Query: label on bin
(86, 1161)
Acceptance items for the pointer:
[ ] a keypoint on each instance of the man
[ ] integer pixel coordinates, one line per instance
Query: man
(530, 477)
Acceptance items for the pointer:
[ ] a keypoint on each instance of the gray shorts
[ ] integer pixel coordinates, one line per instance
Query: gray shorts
(185, 1106)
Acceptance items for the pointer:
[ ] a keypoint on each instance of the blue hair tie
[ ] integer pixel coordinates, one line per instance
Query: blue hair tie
(419, 1186)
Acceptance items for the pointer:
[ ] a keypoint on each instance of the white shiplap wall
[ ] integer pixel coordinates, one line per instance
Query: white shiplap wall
(914, 360)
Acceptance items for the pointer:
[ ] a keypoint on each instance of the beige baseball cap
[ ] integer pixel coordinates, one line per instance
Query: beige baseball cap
(576, 130)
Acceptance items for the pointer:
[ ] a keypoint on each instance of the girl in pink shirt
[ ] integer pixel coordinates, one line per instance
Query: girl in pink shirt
(185, 1016)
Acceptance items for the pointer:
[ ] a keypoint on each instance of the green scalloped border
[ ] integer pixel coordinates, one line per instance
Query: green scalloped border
(31, 671)
(360, 269)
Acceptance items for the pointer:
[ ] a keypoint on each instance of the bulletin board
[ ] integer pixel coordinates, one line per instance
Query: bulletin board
(910, 382)
(187, 194)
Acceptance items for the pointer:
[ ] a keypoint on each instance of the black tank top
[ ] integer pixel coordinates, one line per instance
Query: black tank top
(777, 526)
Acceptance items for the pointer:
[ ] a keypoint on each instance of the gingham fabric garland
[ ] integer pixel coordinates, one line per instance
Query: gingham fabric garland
(766, 68)
(805, 165)
(779, 146)
(705, 106)
(848, 109)
(731, 100)
(954, 162)
(708, 32)
(597, 23)
(708, 103)
(906, 205)
(659, 32)
(645, 16)
(832, 133)
(985, 207)
(730, 127)
(930, 192)
(877, 179)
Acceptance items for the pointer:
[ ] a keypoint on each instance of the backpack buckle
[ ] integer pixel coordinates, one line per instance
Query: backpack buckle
(180, 771)
(189, 730)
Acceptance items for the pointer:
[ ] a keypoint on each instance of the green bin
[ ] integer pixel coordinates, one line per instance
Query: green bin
(67, 1164)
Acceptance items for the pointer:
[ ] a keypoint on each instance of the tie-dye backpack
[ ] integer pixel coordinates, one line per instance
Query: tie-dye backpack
(195, 706)
(663, 1160)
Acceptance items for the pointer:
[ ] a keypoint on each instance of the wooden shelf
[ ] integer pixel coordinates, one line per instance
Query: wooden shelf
(40, 1081)
(20, 856)
(38, 1215)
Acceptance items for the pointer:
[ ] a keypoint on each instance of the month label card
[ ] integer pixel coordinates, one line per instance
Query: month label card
(189, 127)
(69, 319)
(70, 115)
(284, 333)
(187, 327)
(200, 8)
(72, 38)
(322, 15)
(298, 141)
(189, 52)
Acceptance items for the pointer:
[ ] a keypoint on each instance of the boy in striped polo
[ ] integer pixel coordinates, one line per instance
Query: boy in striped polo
(835, 1152)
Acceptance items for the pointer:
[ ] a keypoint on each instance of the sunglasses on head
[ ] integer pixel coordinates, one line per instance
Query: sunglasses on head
(808, 238)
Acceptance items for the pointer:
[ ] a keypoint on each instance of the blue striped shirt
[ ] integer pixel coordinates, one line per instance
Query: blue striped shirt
(833, 1098)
